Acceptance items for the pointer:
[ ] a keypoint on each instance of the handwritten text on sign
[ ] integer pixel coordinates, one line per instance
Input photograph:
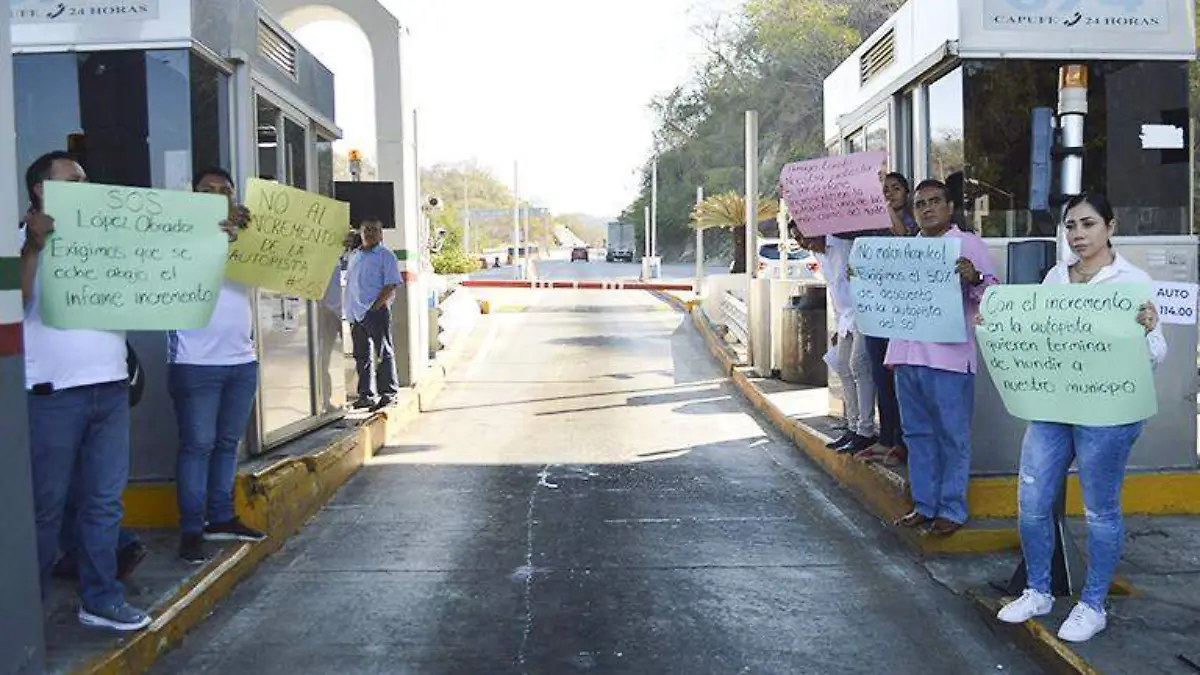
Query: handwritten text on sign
(293, 241)
(836, 194)
(908, 288)
(125, 258)
(1070, 353)
(1176, 302)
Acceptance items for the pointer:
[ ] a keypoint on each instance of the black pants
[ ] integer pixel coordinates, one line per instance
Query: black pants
(373, 340)
(885, 394)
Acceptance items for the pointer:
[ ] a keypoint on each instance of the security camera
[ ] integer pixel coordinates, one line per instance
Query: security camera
(433, 202)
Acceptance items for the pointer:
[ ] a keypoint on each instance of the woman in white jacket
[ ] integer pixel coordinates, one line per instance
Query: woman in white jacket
(1102, 452)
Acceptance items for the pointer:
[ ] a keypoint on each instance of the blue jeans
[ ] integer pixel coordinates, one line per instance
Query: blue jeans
(372, 338)
(935, 413)
(84, 429)
(1046, 455)
(212, 408)
(68, 541)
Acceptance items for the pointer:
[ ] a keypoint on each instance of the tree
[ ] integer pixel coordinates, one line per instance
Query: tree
(728, 210)
(772, 57)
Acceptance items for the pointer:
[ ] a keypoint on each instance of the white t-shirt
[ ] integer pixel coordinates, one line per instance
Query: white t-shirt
(836, 266)
(228, 340)
(69, 358)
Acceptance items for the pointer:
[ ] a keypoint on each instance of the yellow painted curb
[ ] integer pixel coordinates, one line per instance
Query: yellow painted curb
(1150, 493)
(485, 307)
(1039, 639)
(150, 506)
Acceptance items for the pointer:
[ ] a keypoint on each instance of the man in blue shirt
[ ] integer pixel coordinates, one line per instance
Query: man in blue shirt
(371, 282)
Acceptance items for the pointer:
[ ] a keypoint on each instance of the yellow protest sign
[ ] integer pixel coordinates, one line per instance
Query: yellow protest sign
(293, 240)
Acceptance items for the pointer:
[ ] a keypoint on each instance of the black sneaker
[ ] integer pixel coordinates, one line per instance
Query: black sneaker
(840, 441)
(362, 404)
(856, 443)
(233, 530)
(383, 403)
(129, 558)
(122, 617)
(191, 548)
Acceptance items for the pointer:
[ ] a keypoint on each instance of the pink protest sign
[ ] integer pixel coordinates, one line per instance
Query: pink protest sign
(832, 195)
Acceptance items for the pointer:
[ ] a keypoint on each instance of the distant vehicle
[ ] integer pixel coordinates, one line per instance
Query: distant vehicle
(579, 253)
(801, 264)
(620, 243)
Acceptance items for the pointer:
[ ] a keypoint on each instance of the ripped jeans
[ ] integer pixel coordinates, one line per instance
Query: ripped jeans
(1046, 455)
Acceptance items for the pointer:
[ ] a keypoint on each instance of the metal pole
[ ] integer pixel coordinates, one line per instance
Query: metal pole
(466, 214)
(516, 230)
(699, 247)
(751, 225)
(646, 248)
(654, 209)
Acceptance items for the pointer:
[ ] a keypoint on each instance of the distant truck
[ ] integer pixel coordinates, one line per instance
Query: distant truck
(621, 242)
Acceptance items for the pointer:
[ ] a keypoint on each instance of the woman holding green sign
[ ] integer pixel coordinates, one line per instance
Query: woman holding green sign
(1102, 452)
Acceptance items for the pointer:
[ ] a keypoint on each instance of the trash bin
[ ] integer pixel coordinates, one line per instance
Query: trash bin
(804, 338)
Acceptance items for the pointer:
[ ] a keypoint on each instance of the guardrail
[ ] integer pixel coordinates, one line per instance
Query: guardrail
(737, 319)
(614, 285)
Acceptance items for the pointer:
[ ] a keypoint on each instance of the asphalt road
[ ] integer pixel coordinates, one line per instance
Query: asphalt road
(591, 495)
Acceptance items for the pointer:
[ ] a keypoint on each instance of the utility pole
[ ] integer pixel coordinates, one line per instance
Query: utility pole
(516, 230)
(759, 354)
(699, 247)
(466, 213)
(653, 218)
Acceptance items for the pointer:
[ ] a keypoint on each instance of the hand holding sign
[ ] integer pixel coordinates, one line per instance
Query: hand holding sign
(1072, 353)
(293, 240)
(908, 289)
(836, 194)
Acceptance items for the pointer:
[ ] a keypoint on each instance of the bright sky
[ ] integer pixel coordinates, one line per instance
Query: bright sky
(562, 87)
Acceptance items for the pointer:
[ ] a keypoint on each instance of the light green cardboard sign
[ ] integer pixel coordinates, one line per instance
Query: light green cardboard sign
(124, 258)
(1069, 353)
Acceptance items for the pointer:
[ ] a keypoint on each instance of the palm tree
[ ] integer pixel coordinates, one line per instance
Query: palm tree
(728, 210)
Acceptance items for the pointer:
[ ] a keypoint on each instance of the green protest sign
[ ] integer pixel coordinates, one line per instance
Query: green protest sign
(1069, 353)
(125, 258)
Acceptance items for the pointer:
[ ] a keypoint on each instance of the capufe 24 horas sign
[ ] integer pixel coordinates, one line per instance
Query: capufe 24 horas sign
(81, 11)
(1119, 15)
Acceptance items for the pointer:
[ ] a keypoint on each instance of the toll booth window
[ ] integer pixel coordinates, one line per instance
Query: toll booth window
(877, 135)
(46, 103)
(132, 117)
(324, 154)
(267, 120)
(210, 115)
(294, 154)
(945, 114)
(169, 141)
(1150, 188)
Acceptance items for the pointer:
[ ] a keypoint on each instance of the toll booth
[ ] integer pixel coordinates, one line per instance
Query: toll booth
(968, 91)
(147, 97)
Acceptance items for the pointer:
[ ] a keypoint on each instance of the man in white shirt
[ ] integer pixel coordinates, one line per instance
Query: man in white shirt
(78, 400)
(213, 379)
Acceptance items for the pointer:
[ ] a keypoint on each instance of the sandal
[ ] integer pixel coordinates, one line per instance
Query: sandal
(897, 456)
(913, 519)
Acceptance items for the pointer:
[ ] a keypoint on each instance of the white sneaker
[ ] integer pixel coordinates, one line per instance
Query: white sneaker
(1031, 603)
(1083, 624)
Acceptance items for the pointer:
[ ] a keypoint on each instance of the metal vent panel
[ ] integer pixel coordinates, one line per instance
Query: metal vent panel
(878, 56)
(276, 47)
